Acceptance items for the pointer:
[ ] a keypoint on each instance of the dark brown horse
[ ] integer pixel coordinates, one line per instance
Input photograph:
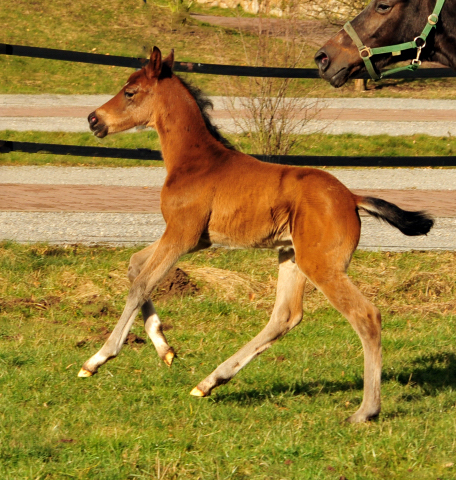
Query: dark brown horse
(419, 29)
(214, 194)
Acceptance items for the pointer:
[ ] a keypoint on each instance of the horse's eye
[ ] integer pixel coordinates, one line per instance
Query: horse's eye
(129, 94)
(383, 8)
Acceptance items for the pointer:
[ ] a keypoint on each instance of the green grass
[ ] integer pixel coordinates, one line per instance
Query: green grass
(372, 145)
(317, 144)
(142, 139)
(279, 418)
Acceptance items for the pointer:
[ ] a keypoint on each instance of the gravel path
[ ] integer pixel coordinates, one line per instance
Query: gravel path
(137, 229)
(85, 228)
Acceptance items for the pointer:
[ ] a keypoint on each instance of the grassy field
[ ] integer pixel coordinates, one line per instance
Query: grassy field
(317, 144)
(280, 418)
(131, 29)
(118, 28)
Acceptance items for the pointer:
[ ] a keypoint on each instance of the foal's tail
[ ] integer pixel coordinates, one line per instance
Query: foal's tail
(409, 223)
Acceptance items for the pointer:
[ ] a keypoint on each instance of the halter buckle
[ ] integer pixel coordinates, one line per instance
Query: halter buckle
(365, 50)
(433, 19)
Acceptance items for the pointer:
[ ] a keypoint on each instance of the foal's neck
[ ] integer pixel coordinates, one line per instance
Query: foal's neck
(183, 134)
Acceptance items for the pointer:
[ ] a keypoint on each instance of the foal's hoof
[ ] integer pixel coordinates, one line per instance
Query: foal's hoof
(169, 357)
(84, 373)
(361, 418)
(196, 392)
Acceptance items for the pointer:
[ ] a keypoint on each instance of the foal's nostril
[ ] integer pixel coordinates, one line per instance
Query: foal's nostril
(322, 60)
(92, 119)
(97, 126)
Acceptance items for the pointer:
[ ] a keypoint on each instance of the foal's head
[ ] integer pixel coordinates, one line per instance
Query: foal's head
(136, 104)
(133, 105)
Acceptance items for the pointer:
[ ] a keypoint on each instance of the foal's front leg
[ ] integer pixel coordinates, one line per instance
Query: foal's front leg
(287, 314)
(154, 329)
(152, 323)
(164, 256)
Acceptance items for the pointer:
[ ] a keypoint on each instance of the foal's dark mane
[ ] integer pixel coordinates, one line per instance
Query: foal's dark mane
(204, 104)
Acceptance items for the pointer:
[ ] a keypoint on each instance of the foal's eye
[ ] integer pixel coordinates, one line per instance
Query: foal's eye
(383, 8)
(129, 94)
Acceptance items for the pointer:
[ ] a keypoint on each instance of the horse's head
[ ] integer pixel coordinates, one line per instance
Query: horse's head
(381, 23)
(133, 105)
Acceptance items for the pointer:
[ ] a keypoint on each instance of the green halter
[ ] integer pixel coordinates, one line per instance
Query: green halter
(419, 43)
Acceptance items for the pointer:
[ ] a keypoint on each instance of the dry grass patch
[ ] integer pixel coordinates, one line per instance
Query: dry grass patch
(229, 284)
(412, 289)
(395, 288)
(245, 288)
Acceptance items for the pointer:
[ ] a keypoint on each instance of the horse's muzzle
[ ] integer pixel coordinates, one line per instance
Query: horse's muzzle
(335, 74)
(98, 128)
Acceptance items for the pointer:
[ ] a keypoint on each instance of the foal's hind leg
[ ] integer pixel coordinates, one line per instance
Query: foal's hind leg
(287, 314)
(363, 316)
(152, 323)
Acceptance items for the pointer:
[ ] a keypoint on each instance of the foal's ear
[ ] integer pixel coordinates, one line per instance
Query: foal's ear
(169, 60)
(153, 68)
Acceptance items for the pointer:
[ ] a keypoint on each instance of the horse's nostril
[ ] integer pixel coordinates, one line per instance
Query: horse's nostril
(322, 60)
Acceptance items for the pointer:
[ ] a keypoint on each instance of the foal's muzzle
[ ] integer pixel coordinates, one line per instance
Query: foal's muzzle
(98, 128)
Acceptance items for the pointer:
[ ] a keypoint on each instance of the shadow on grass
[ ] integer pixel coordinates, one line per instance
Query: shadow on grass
(309, 389)
(431, 373)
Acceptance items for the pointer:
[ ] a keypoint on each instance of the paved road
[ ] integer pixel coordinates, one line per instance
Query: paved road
(366, 116)
(120, 206)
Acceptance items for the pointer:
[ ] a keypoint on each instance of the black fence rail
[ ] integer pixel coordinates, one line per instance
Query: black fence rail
(190, 67)
(80, 151)
(212, 69)
(297, 160)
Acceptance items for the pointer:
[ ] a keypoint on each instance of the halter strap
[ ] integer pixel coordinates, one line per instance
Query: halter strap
(419, 43)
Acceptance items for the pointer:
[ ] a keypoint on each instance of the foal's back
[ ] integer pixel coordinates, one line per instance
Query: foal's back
(258, 204)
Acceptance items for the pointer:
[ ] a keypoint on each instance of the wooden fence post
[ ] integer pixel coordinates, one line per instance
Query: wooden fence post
(360, 85)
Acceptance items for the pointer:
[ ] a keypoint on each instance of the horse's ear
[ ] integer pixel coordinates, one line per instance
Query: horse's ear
(169, 60)
(153, 68)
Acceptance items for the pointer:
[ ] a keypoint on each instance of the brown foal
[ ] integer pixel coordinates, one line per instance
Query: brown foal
(214, 194)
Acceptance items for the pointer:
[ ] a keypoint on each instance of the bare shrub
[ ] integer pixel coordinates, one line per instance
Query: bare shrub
(273, 111)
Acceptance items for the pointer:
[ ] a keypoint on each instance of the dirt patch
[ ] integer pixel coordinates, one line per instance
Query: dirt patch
(133, 339)
(97, 307)
(39, 304)
(176, 284)
(313, 32)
